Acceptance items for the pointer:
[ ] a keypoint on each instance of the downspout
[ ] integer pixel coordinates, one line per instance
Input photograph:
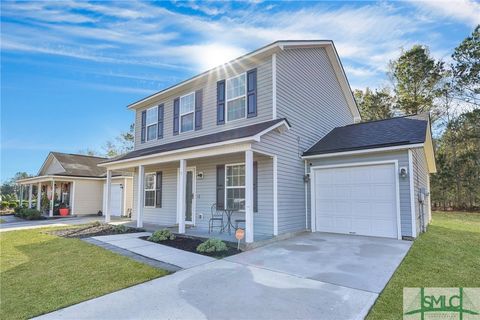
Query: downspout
(306, 197)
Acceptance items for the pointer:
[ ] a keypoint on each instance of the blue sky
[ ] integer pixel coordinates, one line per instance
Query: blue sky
(68, 68)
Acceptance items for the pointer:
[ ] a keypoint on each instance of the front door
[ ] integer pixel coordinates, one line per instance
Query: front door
(190, 197)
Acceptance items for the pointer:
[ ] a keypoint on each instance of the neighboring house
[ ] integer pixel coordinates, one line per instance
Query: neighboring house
(78, 182)
(241, 135)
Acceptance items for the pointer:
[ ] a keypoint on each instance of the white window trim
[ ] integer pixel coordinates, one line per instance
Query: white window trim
(186, 113)
(232, 187)
(154, 189)
(149, 125)
(239, 97)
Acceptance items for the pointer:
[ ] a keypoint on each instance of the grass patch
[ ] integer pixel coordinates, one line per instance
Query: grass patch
(447, 255)
(40, 272)
(2, 221)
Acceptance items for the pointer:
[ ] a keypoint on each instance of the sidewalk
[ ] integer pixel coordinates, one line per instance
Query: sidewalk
(170, 255)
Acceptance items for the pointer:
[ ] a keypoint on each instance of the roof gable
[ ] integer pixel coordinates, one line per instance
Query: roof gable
(66, 164)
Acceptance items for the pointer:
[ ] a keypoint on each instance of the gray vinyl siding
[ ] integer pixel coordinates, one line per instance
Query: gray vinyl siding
(420, 180)
(310, 97)
(404, 183)
(206, 193)
(209, 114)
(53, 167)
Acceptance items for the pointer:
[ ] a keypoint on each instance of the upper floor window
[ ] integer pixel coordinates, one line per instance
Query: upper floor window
(151, 123)
(187, 112)
(236, 97)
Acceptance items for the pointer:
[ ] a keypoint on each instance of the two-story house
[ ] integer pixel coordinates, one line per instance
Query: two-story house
(249, 137)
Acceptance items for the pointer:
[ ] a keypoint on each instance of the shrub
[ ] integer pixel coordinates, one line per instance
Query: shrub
(13, 204)
(29, 214)
(96, 224)
(212, 245)
(120, 228)
(161, 235)
(5, 204)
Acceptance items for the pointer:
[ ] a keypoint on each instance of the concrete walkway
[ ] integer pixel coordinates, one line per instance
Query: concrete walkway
(177, 257)
(20, 224)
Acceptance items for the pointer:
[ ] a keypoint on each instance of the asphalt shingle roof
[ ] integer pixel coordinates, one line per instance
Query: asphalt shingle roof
(237, 133)
(374, 134)
(80, 165)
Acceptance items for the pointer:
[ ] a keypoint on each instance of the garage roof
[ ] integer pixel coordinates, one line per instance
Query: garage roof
(374, 134)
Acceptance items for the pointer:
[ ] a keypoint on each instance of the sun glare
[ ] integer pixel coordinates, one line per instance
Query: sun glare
(214, 54)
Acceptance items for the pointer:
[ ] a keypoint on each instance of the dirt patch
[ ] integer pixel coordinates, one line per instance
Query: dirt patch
(190, 244)
(94, 231)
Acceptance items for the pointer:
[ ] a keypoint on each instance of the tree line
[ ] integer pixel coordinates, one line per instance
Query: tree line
(450, 93)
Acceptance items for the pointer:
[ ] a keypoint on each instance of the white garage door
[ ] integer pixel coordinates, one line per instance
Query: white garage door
(357, 200)
(116, 200)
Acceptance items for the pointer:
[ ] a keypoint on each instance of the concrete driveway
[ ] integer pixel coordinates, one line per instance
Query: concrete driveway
(13, 223)
(308, 277)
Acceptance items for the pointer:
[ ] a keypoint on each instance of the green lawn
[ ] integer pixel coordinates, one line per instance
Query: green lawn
(40, 273)
(447, 255)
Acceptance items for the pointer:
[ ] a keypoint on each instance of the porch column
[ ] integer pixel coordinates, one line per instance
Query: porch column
(39, 196)
(30, 191)
(72, 198)
(140, 193)
(108, 196)
(20, 196)
(182, 180)
(249, 196)
(52, 200)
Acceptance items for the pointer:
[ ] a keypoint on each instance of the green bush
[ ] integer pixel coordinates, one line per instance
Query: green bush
(29, 214)
(13, 204)
(120, 228)
(161, 235)
(5, 204)
(212, 245)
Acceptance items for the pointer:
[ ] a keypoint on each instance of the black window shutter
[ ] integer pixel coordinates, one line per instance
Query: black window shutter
(198, 109)
(176, 115)
(255, 186)
(160, 122)
(221, 102)
(158, 190)
(220, 186)
(144, 125)
(252, 93)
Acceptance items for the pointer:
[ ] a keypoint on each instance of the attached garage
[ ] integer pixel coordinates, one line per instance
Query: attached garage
(372, 178)
(359, 199)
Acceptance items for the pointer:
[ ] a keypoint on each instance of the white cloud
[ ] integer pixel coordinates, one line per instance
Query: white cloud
(465, 11)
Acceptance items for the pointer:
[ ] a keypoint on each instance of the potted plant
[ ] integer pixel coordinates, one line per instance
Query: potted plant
(63, 209)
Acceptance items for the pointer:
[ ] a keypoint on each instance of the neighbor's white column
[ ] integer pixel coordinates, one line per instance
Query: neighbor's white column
(50, 213)
(140, 193)
(72, 198)
(20, 196)
(249, 196)
(39, 196)
(30, 191)
(182, 180)
(108, 196)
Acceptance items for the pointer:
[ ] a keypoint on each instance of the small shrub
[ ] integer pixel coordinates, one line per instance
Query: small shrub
(212, 245)
(5, 204)
(120, 228)
(96, 224)
(161, 235)
(13, 204)
(29, 214)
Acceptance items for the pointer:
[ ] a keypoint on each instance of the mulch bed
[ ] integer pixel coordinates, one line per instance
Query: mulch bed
(190, 244)
(94, 231)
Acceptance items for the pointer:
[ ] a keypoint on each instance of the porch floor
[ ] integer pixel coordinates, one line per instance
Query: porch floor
(200, 232)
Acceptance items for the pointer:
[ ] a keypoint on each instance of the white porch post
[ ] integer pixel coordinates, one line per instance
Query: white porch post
(275, 196)
(108, 196)
(72, 198)
(182, 179)
(20, 196)
(50, 213)
(39, 196)
(140, 186)
(30, 191)
(249, 196)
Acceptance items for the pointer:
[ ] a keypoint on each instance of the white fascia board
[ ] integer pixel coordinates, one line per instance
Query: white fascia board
(372, 150)
(54, 177)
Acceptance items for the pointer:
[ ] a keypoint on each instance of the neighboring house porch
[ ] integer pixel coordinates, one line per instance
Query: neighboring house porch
(179, 188)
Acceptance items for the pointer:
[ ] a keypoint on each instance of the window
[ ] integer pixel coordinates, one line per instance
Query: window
(152, 119)
(235, 186)
(187, 112)
(149, 190)
(236, 101)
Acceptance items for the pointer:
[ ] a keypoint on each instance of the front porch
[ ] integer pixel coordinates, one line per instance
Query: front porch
(179, 195)
(47, 194)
